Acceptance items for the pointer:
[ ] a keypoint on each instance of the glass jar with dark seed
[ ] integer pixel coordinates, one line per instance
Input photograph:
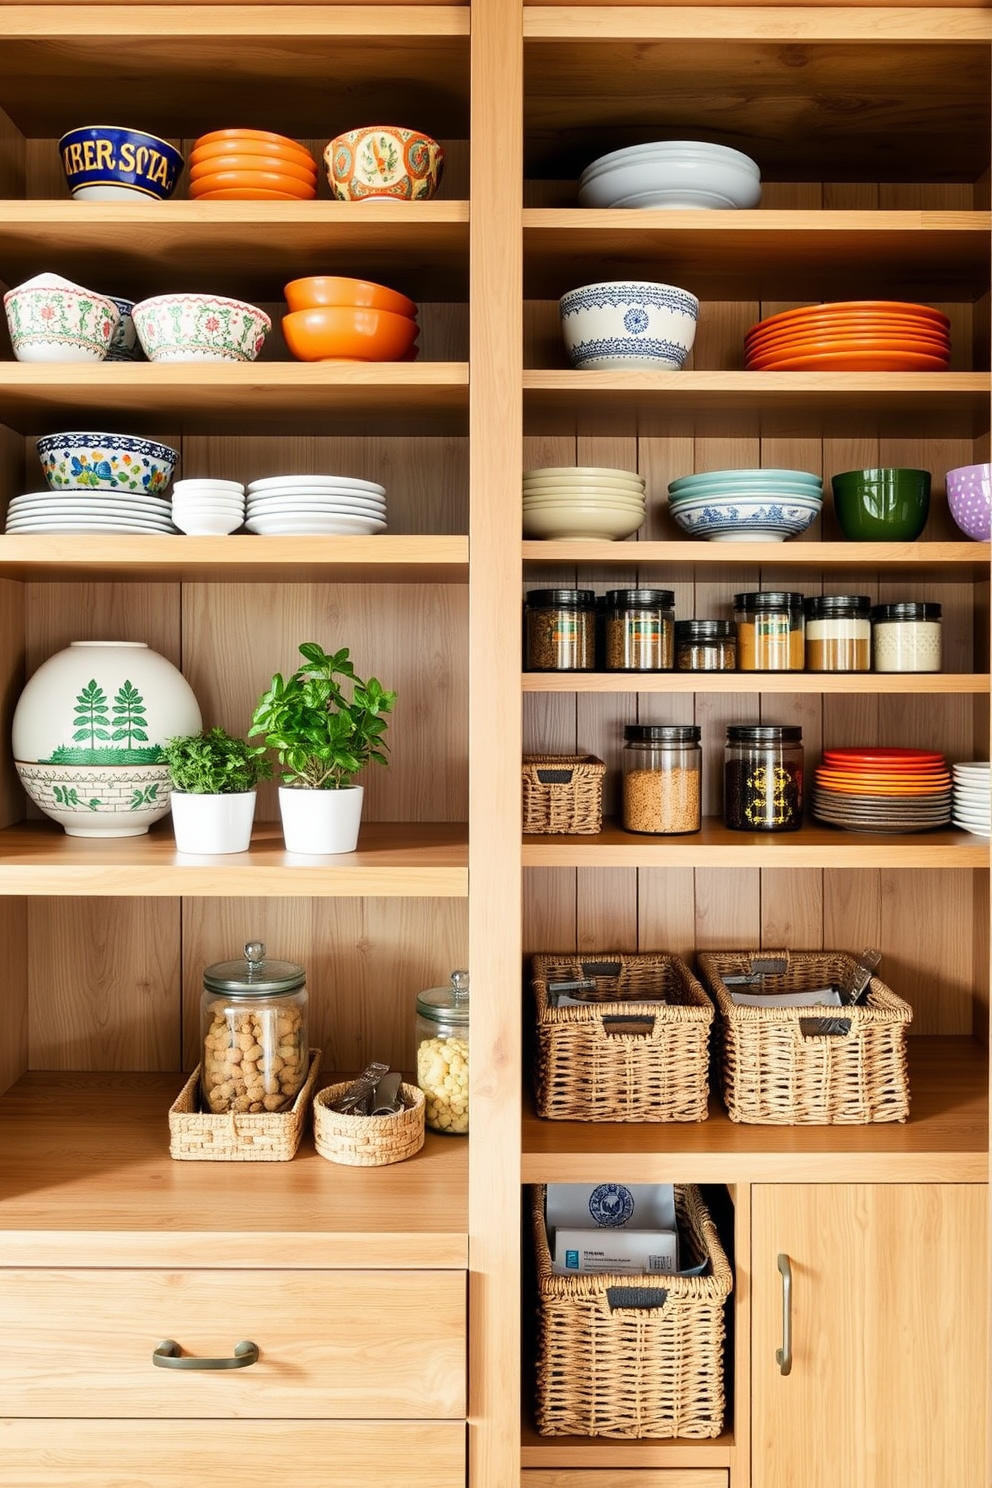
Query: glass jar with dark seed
(705, 645)
(560, 630)
(763, 778)
(640, 629)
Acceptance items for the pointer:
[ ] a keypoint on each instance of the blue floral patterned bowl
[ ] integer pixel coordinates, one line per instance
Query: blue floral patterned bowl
(106, 462)
(628, 325)
(747, 518)
(103, 162)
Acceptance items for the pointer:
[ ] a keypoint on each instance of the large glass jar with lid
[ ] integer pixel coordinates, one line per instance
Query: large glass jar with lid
(763, 778)
(256, 1050)
(442, 1054)
(661, 778)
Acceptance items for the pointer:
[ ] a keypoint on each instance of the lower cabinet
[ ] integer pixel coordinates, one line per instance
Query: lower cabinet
(888, 1315)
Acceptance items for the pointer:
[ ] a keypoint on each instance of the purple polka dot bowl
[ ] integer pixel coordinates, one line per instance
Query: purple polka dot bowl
(969, 497)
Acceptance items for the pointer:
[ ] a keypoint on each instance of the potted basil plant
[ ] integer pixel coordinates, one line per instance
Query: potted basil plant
(214, 776)
(325, 725)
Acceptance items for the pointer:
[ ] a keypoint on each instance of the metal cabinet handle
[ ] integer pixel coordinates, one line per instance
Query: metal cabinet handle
(169, 1355)
(783, 1356)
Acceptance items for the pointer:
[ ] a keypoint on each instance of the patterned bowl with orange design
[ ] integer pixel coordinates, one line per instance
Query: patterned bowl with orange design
(384, 162)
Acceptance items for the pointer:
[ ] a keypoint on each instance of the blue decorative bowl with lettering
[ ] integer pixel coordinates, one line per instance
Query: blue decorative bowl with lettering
(103, 162)
(628, 325)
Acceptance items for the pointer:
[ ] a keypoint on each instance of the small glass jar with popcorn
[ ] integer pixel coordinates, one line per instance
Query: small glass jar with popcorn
(442, 1055)
(254, 1029)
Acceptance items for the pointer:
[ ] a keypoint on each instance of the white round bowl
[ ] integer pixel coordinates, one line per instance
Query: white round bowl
(52, 320)
(200, 328)
(106, 462)
(602, 523)
(207, 521)
(674, 174)
(698, 149)
(628, 325)
(197, 484)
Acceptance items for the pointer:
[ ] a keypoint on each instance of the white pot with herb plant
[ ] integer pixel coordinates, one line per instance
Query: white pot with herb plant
(325, 725)
(213, 776)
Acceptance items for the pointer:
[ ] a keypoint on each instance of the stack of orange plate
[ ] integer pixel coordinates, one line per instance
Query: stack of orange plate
(883, 790)
(250, 165)
(851, 336)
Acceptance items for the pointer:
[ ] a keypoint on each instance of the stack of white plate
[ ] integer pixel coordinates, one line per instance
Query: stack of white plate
(299, 504)
(584, 501)
(82, 509)
(674, 174)
(972, 799)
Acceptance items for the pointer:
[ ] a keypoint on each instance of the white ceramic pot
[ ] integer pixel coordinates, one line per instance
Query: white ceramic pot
(213, 824)
(88, 731)
(320, 821)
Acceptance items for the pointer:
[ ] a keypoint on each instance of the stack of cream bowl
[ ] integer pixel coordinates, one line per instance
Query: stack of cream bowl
(301, 504)
(672, 174)
(582, 502)
(204, 508)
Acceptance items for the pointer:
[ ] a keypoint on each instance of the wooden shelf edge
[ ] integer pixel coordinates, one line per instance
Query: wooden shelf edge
(66, 22)
(965, 560)
(871, 684)
(603, 1452)
(819, 221)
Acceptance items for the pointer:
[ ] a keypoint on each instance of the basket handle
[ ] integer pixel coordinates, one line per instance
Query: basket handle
(617, 1025)
(557, 776)
(619, 1298)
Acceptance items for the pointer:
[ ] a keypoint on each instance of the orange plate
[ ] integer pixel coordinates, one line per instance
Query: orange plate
(822, 325)
(282, 164)
(217, 136)
(252, 181)
(306, 294)
(916, 334)
(841, 307)
(891, 756)
(222, 149)
(855, 361)
(842, 348)
(246, 193)
(347, 332)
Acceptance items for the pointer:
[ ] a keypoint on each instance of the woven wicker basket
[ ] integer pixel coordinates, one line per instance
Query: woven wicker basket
(563, 793)
(267, 1136)
(775, 1074)
(368, 1141)
(633, 1356)
(622, 1059)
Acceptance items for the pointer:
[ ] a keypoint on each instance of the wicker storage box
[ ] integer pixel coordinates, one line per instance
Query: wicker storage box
(368, 1141)
(563, 793)
(267, 1136)
(775, 1073)
(633, 1356)
(622, 1058)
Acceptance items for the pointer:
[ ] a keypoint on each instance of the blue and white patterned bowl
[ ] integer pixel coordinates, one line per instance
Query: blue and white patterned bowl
(748, 518)
(106, 462)
(628, 325)
(124, 344)
(103, 162)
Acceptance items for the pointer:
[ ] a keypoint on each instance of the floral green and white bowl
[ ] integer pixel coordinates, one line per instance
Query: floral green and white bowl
(200, 328)
(106, 462)
(53, 320)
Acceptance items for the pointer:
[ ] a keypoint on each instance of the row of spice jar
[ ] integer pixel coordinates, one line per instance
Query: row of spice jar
(574, 630)
(662, 778)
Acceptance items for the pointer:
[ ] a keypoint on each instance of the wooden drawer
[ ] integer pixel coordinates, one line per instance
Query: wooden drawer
(625, 1477)
(217, 1454)
(332, 1344)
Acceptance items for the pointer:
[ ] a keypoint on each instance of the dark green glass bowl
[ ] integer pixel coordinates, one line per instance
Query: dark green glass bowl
(888, 505)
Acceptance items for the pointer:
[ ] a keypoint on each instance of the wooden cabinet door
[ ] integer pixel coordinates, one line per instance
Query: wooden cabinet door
(889, 1315)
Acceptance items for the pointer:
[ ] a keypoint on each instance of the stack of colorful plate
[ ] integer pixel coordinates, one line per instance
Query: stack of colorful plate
(972, 803)
(851, 336)
(81, 509)
(250, 165)
(746, 505)
(883, 790)
(572, 502)
(297, 504)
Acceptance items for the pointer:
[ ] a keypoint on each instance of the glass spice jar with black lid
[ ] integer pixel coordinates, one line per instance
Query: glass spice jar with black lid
(639, 630)
(705, 645)
(763, 778)
(838, 633)
(560, 630)
(770, 631)
(906, 637)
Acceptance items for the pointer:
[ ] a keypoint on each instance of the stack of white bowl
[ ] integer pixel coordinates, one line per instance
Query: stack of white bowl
(971, 802)
(202, 507)
(298, 504)
(583, 502)
(673, 174)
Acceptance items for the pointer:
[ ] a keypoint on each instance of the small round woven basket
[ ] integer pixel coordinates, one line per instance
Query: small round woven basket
(368, 1141)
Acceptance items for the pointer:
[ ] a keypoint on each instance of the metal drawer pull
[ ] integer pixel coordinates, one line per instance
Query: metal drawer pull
(783, 1356)
(169, 1355)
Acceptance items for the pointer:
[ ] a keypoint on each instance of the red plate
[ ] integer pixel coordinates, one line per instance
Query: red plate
(884, 755)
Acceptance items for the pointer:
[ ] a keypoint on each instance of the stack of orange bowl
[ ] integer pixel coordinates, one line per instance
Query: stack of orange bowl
(851, 336)
(332, 319)
(250, 165)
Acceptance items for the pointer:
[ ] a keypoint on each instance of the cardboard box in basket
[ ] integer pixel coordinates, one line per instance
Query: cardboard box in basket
(264, 1136)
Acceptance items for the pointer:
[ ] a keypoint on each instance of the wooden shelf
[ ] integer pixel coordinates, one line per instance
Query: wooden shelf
(716, 846)
(237, 559)
(406, 859)
(945, 1139)
(86, 1177)
(946, 405)
(250, 249)
(603, 1452)
(763, 255)
(915, 562)
(242, 397)
(869, 684)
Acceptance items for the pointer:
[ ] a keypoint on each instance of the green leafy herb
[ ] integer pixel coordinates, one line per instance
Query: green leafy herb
(212, 763)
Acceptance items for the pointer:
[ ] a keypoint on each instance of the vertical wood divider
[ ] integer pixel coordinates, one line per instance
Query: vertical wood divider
(496, 446)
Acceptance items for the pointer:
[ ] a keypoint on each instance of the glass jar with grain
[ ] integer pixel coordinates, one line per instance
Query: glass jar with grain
(705, 645)
(639, 630)
(838, 633)
(763, 778)
(560, 630)
(256, 1053)
(906, 637)
(770, 631)
(662, 777)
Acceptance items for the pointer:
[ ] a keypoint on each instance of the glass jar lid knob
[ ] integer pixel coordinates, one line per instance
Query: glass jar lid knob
(459, 988)
(254, 953)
